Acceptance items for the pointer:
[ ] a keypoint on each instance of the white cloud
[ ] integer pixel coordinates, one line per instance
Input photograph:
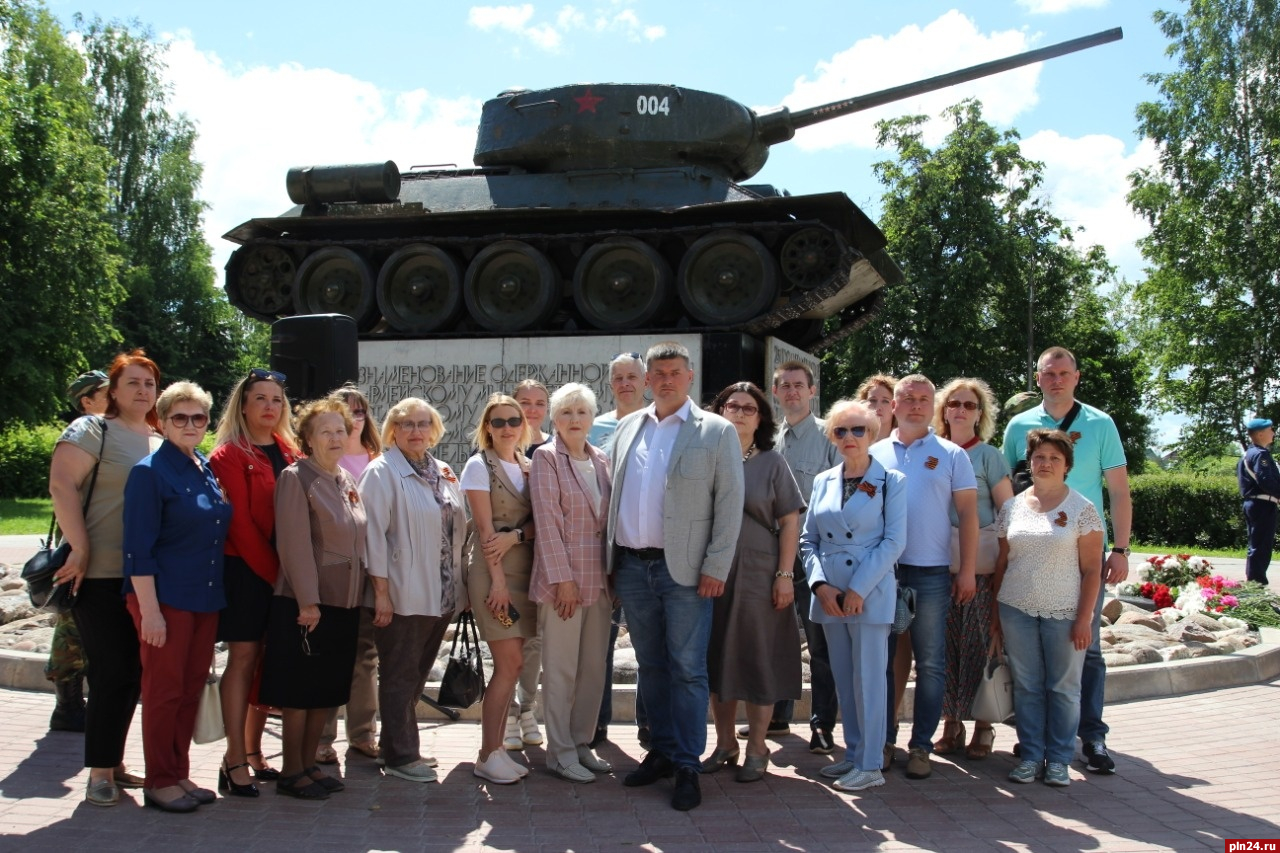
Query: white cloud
(549, 35)
(951, 42)
(254, 123)
(1056, 7)
(1085, 181)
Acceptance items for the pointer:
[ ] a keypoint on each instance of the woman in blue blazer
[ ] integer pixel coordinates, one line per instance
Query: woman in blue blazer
(853, 534)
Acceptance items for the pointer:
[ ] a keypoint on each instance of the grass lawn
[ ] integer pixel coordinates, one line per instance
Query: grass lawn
(25, 515)
(1147, 548)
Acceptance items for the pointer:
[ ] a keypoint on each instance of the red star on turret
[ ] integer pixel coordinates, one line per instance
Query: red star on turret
(588, 102)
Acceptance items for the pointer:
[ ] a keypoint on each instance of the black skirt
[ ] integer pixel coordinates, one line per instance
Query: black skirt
(244, 619)
(311, 674)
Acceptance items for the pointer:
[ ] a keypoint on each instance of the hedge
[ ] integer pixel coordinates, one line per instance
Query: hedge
(24, 460)
(1188, 510)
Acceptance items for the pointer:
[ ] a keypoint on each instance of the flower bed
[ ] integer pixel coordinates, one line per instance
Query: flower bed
(1187, 583)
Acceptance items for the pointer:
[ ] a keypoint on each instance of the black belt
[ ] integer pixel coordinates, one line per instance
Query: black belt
(645, 553)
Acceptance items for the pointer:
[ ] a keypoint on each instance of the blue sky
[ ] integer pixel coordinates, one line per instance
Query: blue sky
(272, 85)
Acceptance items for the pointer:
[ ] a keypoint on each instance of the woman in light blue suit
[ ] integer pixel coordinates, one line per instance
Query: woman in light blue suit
(853, 534)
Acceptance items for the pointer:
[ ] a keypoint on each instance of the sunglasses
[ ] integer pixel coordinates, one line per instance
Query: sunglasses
(358, 414)
(855, 431)
(633, 355)
(263, 373)
(499, 423)
(198, 421)
(306, 642)
(967, 405)
(748, 410)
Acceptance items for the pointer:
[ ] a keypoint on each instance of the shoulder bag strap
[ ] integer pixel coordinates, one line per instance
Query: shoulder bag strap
(93, 481)
(1071, 417)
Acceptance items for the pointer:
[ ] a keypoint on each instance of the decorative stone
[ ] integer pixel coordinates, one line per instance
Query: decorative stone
(1119, 659)
(1201, 650)
(1155, 623)
(1205, 621)
(1145, 654)
(1177, 652)
(1189, 629)
(9, 584)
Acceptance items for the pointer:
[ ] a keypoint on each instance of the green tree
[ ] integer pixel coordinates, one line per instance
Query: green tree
(58, 272)
(173, 308)
(1213, 201)
(981, 253)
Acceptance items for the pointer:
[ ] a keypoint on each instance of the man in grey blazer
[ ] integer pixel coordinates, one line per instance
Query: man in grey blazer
(674, 516)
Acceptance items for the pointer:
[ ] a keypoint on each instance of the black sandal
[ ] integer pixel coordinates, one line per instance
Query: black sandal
(266, 773)
(230, 786)
(329, 783)
(311, 791)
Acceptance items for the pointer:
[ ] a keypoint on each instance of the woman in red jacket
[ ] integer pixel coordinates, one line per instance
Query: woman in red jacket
(254, 443)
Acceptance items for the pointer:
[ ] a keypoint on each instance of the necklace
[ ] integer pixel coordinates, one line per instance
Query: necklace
(751, 451)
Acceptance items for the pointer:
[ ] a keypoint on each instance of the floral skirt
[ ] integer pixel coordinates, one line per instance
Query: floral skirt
(968, 639)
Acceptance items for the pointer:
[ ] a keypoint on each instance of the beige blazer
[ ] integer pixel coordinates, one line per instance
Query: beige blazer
(320, 536)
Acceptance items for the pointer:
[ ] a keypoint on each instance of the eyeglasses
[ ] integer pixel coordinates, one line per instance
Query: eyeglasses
(748, 410)
(855, 431)
(263, 373)
(358, 414)
(499, 423)
(410, 426)
(306, 643)
(198, 421)
(968, 405)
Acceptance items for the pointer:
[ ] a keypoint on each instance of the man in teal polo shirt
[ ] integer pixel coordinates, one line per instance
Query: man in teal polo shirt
(1099, 457)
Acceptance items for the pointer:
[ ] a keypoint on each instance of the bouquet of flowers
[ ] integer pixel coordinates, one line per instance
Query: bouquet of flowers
(1214, 594)
(1165, 579)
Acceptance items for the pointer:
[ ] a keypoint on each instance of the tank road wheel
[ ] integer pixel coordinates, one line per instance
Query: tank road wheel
(510, 287)
(810, 257)
(726, 278)
(260, 281)
(420, 290)
(621, 283)
(336, 281)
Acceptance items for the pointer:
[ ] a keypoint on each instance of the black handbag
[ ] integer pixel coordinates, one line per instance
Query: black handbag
(38, 571)
(463, 682)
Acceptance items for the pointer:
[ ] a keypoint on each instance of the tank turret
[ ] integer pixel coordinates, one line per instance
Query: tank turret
(591, 208)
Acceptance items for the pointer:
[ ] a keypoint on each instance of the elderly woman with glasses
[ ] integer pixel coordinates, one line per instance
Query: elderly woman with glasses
(854, 532)
(253, 446)
(315, 614)
(417, 525)
(175, 521)
(754, 652)
(499, 558)
(363, 446)
(965, 415)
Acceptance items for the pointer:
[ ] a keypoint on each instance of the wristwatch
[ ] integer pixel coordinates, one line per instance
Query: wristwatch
(1116, 549)
(519, 534)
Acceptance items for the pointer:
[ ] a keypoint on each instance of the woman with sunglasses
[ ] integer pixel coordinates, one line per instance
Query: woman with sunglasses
(315, 612)
(417, 524)
(253, 445)
(965, 414)
(854, 532)
(111, 446)
(175, 522)
(499, 559)
(363, 446)
(754, 652)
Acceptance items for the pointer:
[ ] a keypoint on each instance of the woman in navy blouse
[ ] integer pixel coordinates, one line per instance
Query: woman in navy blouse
(175, 524)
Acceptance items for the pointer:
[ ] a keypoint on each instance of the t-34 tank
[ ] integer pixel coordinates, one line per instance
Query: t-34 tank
(598, 207)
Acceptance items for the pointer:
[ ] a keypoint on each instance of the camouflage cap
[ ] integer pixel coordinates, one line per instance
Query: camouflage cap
(86, 383)
(1020, 402)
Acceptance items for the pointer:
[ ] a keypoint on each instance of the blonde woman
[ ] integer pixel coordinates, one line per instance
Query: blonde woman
(253, 445)
(522, 725)
(499, 559)
(417, 524)
(965, 415)
(363, 446)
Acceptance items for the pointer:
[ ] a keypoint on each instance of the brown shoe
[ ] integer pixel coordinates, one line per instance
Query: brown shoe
(918, 766)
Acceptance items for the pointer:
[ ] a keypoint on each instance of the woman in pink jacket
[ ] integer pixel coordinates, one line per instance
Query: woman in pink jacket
(569, 480)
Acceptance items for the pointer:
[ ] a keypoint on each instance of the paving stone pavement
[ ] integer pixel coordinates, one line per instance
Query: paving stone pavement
(1193, 770)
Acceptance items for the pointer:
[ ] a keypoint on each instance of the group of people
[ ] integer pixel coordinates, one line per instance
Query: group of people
(331, 557)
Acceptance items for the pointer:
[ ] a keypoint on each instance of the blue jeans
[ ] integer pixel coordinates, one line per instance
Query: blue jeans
(1094, 681)
(1046, 684)
(670, 628)
(929, 647)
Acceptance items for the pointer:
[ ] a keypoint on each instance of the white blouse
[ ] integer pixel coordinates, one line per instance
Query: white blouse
(1043, 575)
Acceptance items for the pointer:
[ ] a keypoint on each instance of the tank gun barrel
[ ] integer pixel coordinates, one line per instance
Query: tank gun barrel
(781, 125)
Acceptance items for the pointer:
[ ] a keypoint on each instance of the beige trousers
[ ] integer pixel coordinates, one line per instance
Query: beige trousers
(573, 666)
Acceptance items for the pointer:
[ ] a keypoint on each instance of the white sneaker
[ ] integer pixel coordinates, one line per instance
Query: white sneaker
(417, 771)
(574, 773)
(529, 732)
(495, 770)
(520, 769)
(835, 771)
(512, 739)
(591, 761)
(859, 780)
